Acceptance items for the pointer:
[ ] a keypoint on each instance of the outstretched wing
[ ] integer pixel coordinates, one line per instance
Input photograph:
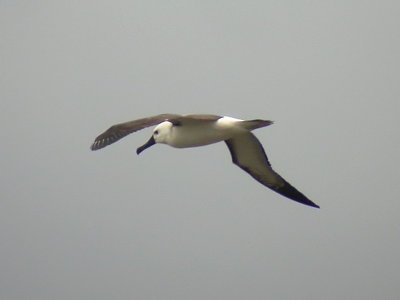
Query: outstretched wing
(248, 153)
(118, 131)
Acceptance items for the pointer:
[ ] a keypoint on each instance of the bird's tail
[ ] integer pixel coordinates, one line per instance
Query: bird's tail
(254, 124)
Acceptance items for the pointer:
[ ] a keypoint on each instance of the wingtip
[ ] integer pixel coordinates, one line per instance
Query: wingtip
(94, 146)
(292, 193)
(305, 201)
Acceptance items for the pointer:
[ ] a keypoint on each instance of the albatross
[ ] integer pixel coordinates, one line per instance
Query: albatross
(184, 131)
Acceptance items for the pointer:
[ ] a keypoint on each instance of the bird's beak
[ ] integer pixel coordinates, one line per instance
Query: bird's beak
(148, 144)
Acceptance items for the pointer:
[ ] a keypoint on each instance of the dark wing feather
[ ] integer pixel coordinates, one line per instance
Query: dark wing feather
(118, 131)
(248, 153)
(194, 119)
(202, 117)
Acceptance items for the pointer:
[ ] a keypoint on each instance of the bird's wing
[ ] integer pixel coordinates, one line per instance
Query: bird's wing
(118, 131)
(248, 153)
(195, 119)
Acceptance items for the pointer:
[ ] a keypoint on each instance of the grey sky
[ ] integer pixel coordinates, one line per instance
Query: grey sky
(188, 224)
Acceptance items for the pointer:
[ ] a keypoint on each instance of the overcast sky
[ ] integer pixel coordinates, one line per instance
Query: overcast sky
(188, 224)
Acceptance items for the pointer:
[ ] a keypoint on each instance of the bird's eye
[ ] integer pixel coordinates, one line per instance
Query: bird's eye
(156, 132)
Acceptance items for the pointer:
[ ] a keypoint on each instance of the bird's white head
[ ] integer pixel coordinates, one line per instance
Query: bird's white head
(161, 133)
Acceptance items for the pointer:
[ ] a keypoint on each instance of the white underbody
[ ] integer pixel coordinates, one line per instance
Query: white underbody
(195, 135)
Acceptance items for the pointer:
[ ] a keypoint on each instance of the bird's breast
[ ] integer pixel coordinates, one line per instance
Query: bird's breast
(195, 136)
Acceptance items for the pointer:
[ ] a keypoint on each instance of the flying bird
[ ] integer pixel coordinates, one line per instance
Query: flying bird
(199, 130)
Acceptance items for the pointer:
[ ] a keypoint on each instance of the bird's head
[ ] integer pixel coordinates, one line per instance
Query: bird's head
(160, 135)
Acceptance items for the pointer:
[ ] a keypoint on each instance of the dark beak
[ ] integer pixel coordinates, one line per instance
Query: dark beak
(148, 144)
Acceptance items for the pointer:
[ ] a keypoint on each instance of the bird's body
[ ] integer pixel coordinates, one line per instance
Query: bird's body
(200, 130)
(193, 135)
